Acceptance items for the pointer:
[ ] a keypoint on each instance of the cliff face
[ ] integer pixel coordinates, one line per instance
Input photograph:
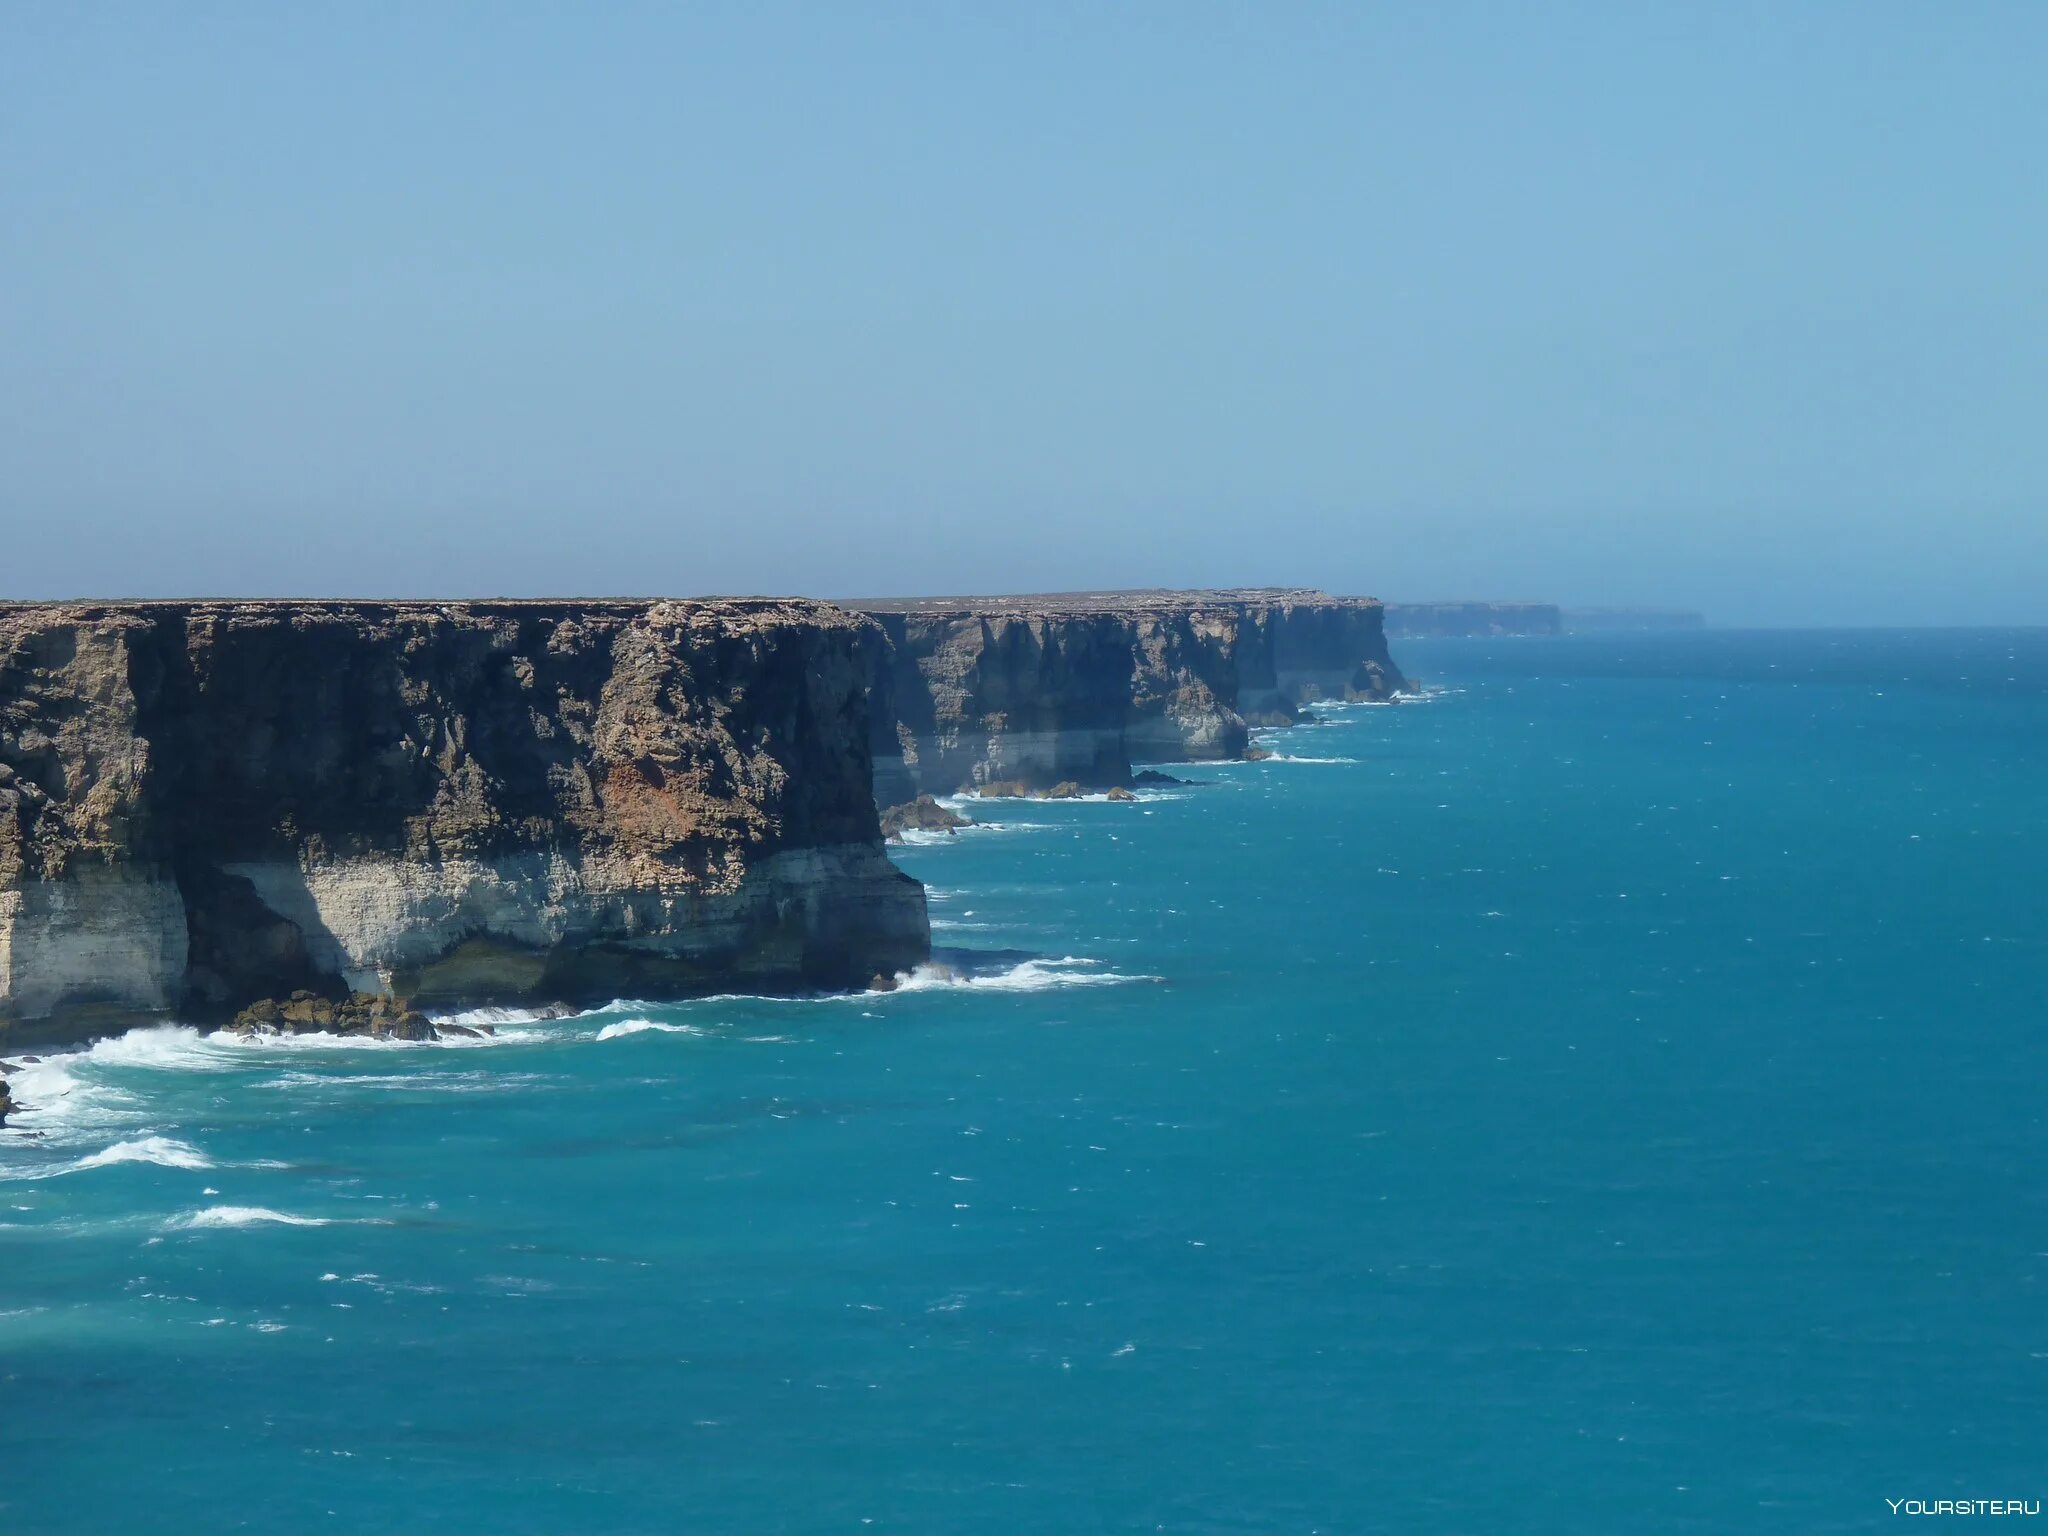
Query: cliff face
(1080, 686)
(1474, 619)
(206, 803)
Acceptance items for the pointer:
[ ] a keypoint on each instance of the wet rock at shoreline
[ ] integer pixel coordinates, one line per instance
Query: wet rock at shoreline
(360, 1013)
(924, 814)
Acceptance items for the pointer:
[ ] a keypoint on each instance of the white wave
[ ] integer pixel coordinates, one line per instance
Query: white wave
(473, 1017)
(243, 1216)
(1288, 757)
(642, 1026)
(930, 837)
(161, 1150)
(160, 1047)
(1027, 976)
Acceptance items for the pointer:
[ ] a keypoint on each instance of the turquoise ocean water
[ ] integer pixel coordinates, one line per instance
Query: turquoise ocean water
(1608, 1096)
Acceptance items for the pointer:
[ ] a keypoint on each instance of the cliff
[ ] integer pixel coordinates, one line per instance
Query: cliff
(1441, 619)
(207, 803)
(1581, 620)
(1041, 690)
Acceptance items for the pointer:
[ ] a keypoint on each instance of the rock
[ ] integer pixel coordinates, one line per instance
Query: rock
(1004, 789)
(1066, 789)
(214, 801)
(306, 1013)
(411, 1026)
(881, 982)
(925, 814)
(460, 1031)
(1154, 776)
(1081, 685)
(1256, 754)
(486, 1029)
(6, 1101)
(1118, 792)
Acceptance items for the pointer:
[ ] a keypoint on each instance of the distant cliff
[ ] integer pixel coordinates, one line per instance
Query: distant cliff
(1081, 686)
(1580, 620)
(207, 803)
(1441, 619)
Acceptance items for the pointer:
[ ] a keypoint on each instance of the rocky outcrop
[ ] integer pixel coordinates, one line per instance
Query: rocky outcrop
(1036, 691)
(924, 814)
(204, 804)
(1452, 619)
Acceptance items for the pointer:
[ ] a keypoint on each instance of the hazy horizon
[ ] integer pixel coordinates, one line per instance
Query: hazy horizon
(1732, 310)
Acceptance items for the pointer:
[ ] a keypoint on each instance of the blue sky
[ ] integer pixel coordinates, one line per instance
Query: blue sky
(1732, 307)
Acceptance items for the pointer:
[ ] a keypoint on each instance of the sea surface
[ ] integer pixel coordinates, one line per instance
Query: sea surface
(1605, 1096)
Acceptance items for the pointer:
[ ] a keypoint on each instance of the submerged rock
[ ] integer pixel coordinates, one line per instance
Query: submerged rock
(1154, 776)
(1256, 754)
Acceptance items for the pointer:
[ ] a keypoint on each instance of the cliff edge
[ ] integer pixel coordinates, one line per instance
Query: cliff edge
(1078, 687)
(207, 803)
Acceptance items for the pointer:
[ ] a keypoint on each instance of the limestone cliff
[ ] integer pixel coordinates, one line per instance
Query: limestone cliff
(205, 803)
(1039, 690)
(1447, 619)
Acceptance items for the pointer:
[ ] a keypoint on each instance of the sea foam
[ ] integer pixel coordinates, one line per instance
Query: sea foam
(643, 1026)
(164, 1151)
(243, 1216)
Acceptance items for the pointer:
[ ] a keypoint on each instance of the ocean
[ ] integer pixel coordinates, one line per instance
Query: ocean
(1605, 1095)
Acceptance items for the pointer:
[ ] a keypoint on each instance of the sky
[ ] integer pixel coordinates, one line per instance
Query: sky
(1741, 308)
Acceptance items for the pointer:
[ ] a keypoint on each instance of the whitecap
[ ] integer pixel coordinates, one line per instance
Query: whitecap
(243, 1216)
(161, 1150)
(642, 1026)
(162, 1047)
(1026, 976)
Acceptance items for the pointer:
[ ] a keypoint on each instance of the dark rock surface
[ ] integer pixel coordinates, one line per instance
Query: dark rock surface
(203, 804)
(1039, 690)
(924, 814)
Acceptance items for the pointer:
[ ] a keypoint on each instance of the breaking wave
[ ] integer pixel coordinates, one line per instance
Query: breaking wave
(643, 1026)
(1036, 975)
(243, 1216)
(161, 1150)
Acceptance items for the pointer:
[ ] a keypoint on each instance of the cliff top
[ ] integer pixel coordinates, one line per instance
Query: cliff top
(742, 610)
(1138, 599)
